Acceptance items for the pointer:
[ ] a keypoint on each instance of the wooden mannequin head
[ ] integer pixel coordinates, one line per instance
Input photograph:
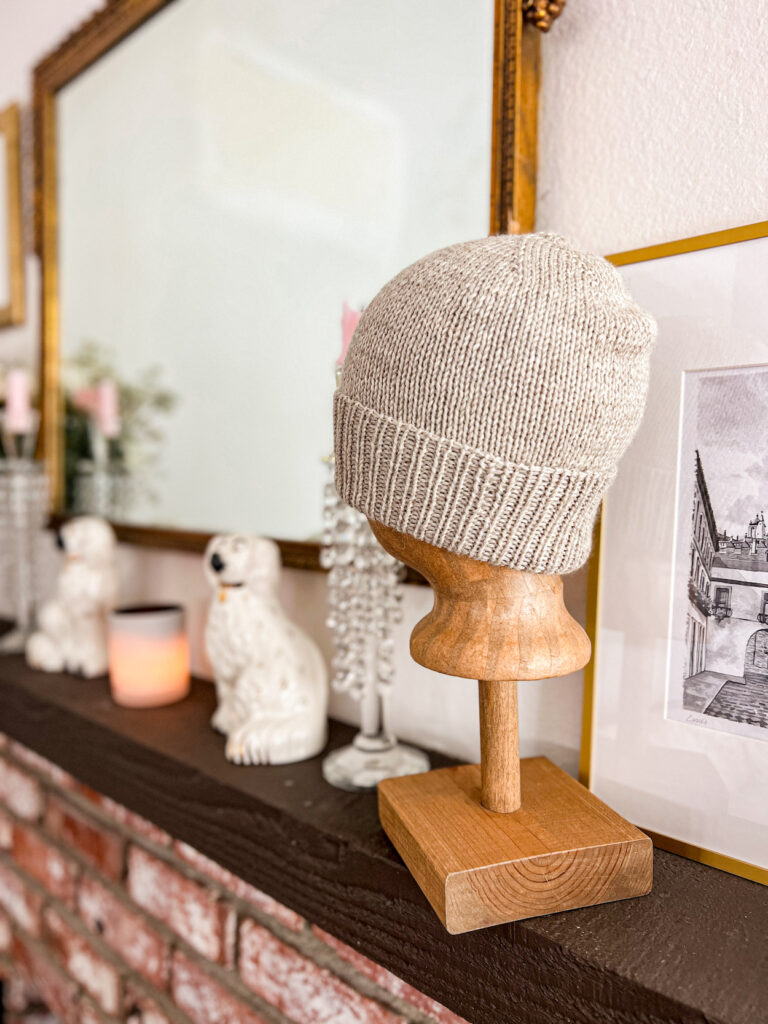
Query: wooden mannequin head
(488, 622)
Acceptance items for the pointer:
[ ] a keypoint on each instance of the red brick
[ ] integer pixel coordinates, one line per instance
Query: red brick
(55, 871)
(6, 935)
(139, 1009)
(36, 1015)
(99, 978)
(204, 1000)
(42, 766)
(57, 991)
(20, 792)
(122, 816)
(18, 993)
(191, 910)
(394, 985)
(89, 1013)
(249, 893)
(100, 847)
(125, 931)
(24, 1004)
(307, 993)
(21, 902)
(6, 831)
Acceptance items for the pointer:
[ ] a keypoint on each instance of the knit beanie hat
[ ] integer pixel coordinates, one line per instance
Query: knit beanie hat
(487, 396)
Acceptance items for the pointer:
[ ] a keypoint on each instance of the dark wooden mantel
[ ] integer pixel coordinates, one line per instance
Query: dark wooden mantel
(694, 951)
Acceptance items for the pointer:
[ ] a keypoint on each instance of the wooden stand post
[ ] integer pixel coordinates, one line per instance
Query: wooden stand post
(506, 839)
(499, 747)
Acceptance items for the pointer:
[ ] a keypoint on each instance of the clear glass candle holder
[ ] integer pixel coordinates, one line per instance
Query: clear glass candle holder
(148, 655)
(364, 598)
(23, 514)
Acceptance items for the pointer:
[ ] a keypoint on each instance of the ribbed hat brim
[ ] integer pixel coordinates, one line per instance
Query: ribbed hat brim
(532, 518)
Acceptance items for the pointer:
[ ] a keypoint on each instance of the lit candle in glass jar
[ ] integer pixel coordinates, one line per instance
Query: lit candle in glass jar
(148, 655)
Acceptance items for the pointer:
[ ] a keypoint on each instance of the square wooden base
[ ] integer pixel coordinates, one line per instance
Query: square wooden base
(563, 849)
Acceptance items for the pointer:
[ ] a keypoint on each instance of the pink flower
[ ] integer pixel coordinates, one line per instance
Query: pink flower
(108, 409)
(349, 318)
(86, 400)
(101, 404)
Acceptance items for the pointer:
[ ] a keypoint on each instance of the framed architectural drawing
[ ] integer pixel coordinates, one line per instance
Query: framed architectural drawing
(11, 248)
(676, 703)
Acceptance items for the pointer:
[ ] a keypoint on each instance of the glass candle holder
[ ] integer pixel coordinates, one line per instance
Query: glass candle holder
(23, 514)
(364, 598)
(148, 655)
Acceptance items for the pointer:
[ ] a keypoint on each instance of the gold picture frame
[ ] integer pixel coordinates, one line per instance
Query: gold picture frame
(12, 312)
(596, 568)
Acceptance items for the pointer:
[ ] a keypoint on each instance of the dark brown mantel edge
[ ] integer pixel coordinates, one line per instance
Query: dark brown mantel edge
(332, 865)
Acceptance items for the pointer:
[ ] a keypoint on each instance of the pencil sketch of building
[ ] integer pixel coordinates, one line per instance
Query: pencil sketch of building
(726, 671)
(704, 544)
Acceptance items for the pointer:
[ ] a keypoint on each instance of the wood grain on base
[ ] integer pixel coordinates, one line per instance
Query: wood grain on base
(509, 839)
(563, 849)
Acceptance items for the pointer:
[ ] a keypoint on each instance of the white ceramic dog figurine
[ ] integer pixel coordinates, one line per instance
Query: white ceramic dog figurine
(72, 627)
(271, 680)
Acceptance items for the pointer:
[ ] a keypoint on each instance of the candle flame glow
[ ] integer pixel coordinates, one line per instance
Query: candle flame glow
(148, 671)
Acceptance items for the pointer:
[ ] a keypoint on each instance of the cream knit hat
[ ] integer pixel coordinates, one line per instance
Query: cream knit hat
(487, 396)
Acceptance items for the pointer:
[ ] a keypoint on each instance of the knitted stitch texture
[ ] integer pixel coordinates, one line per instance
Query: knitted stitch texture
(487, 396)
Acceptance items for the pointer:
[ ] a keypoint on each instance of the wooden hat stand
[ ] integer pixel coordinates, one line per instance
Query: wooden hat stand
(506, 839)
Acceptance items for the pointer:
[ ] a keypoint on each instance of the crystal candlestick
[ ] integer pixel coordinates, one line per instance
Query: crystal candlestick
(364, 597)
(102, 483)
(23, 509)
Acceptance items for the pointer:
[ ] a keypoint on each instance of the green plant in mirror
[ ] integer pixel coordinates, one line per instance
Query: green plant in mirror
(132, 450)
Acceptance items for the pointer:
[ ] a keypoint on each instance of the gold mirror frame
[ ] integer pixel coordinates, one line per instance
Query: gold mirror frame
(13, 313)
(512, 197)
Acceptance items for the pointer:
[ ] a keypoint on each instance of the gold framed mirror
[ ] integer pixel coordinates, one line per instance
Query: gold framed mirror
(12, 308)
(278, 106)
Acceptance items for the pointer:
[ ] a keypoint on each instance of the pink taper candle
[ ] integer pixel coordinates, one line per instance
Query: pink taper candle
(18, 412)
(107, 412)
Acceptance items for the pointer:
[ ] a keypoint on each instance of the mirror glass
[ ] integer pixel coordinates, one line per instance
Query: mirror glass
(229, 176)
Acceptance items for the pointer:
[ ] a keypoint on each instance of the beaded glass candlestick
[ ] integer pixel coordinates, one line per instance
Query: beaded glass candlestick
(364, 597)
(23, 510)
(101, 490)
(103, 485)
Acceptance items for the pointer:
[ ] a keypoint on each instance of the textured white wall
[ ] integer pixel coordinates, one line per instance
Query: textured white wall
(653, 126)
(654, 121)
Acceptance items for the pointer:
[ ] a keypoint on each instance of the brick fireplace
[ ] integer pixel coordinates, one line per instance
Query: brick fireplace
(146, 880)
(106, 918)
